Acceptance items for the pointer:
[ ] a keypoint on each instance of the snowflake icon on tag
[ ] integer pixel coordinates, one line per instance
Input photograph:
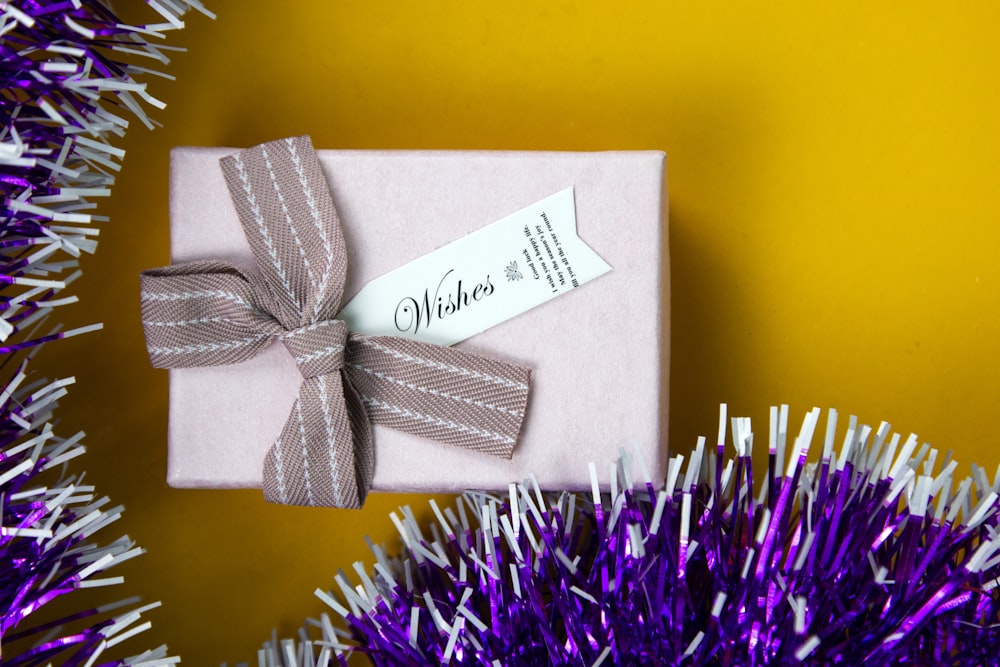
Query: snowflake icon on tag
(512, 272)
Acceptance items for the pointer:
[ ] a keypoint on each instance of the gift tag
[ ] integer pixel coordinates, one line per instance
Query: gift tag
(482, 279)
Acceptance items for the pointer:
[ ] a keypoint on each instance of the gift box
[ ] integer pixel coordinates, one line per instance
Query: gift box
(599, 353)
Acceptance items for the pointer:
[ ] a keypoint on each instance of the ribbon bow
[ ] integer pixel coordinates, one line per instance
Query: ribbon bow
(209, 313)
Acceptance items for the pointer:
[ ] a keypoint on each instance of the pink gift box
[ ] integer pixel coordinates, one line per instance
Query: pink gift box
(599, 354)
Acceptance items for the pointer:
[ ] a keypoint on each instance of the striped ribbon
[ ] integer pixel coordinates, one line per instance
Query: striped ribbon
(211, 313)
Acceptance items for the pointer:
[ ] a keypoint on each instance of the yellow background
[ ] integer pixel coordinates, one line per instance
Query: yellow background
(833, 222)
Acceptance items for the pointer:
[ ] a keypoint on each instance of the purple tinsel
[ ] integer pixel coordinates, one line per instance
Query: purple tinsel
(67, 89)
(869, 556)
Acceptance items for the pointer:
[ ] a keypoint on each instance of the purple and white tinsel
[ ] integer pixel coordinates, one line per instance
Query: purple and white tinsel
(71, 71)
(49, 518)
(872, 554)
(68, 91)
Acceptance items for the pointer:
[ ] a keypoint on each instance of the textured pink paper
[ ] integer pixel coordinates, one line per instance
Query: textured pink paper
(599, 354)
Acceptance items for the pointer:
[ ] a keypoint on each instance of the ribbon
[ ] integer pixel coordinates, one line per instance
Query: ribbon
(208, 313)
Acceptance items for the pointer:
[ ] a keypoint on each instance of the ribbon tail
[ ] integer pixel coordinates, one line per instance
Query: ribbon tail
(438, 392)
(315, 460)
(364, 449)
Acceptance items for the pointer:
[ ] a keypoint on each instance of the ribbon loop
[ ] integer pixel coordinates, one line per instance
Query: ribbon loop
(210, 313)
(203, 314)
(318, 348)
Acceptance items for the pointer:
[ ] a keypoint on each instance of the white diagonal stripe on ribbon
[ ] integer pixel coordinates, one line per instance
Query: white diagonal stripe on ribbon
(437, 421)
(317, 221)
(436, 392)
(288, 219)
(265, 236)
(331, 449)
(183, 323)
(305, 452)
(313, 356)
(202, 348)
(185, 296)
(430, 363)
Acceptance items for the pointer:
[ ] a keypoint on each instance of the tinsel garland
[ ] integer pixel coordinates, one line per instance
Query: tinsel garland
(871, 555)
(69, 88)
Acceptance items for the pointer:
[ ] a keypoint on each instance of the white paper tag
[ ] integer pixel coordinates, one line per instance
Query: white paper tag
(481, 280)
